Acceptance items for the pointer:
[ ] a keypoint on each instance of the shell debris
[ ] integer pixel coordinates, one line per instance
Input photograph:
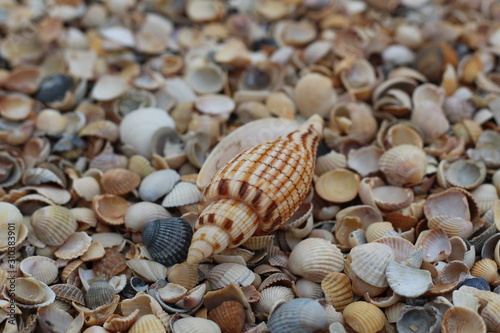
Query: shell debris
(257, 166)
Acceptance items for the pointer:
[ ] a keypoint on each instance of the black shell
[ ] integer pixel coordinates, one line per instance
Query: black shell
(168, 240)
(478, 283)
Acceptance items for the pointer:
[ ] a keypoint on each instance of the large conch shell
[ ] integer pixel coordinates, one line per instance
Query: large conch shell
(259, 189)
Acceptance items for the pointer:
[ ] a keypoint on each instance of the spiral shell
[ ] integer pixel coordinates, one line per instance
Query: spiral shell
(167, 240)
(260, 188)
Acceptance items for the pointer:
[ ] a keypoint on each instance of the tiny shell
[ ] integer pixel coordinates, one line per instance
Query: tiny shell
(300, 315)
(314, 258)
(364, 317)
(41, 268)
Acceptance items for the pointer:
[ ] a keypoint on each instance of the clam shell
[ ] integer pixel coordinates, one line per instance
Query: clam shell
(301, 315)
(112, 264)
(338, 185)
(31, 293)
(110, 209)
(314, 93)
(223, 274)
(168, 240)
(99, 315)
(364, 160)
(272, 295)
(369, 262)
(487, 269)
(138, 127)
(68, 293)
(453, 271)
(41, 268)
(139, 214)
(87, 188)
(148, 270)
(314, 258)
(119, 181)
(53, 319)
(403, 164)
(486, 195)
(157, 184)
(76, 245)
(108, 87)
(436, 245)
(364, 317)
(183, 193)
(148, 323)
(205, 78)
(378, 230)
(117, 323)
(329, 161)
(407, 281)
(10, 215)
(392, 198)
(140, 165)
(418, 319)
(53, 224)
(105, 162)
(195, 325)
(142, 302)
(185, 275)
(338, 290)
(230, 316)
(9, 163)
(466, 174)
(308, 289)
(100, 293)
(458, 319)
(215, 105)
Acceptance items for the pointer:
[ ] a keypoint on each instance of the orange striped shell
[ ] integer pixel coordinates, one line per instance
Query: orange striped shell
(259, 189)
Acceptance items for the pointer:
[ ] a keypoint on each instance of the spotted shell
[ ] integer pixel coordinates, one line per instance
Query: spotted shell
(259, 189)
(167, 240)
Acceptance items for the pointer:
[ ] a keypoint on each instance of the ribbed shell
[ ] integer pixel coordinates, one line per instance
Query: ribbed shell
(41, 268)
(272, 179)
(230, 316)
(369, 262)
(338, 290)
(272, 295)
(195, 325)
(403, 164)
(139, 214)
(53, 224)
(68, 293)
(300, 315)
(120, 181)
(486, 269)
(223, 274)
(168, 240)
(148, 323)
(462, 320)
(364, 317)
(99, 293)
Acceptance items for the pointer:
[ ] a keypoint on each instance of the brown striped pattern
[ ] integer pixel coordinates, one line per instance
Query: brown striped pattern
(272, 179)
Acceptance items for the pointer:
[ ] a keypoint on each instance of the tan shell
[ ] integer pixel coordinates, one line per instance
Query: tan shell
(403, 164)
(230, 315)
(76, 245)
(486, 269)
(110, 209)
(195, 325)
(148, 323)
(10, 214)
(119, 181)
(436, 245)
(238, 194)
(117, 323)
(462, 320)
(338, 290)
(68, 293)
(86, 188)
(314, 258)
(53, 224)
(99, 315)
(466, 174)
(365, 159)
(486, 195)
(339, 185)
(364, 317)
(314, 93)
(328, 162)
(378, 230)
(185, 275)
(41, 268)
(31, 293)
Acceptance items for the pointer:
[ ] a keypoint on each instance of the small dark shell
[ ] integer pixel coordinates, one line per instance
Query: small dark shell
(54, 88)
(100, 293)
(478, 283)
(68, 293)
(168, 240)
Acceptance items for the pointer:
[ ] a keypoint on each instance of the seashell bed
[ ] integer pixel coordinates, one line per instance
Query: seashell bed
(282, 166)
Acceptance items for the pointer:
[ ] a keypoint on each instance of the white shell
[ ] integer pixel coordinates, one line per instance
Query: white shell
(407, 281)
(157, 184)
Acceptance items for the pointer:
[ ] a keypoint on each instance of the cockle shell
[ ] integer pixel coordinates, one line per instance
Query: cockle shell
(364, 317)
(148, 270)
(148, 323)
(11, 216)
(68, 293)
(195, 325)
(407, 281)
(338, 290)
(41, 268)
(230, 316)
(462, 320)
(272, 295)
(403, 164)
(300, 315)
(53, 224)
(369, 262)
(139, 214)
(418, 319)
(120, 181)
(157, 184)
(167, 240)
(223, 274)
(100, 293)
(237, 190)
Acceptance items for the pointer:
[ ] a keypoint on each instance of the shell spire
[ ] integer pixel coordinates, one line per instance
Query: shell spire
(258, 190)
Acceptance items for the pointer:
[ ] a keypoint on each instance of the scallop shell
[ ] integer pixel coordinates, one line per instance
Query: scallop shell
(486, 195)
(270, 296)
(100, 293)
(119, 181)
(185, 275)
(338, 185)
(223, 274)
(183, 193)
(329, 161)
(139, 214)
(369, 262)
(364, 317)
(230, 315)
(148, 270)
(403, 164)
(157, 184)
(76, 245)
(53, 224)
(167, 240)
(41, 268)
(314, 258)
(195, 325)
(338, 290)
(378, 230)
(148, 323)
(242, 194)
(112, 264)
(487, 269)
(68, 293)
(110, 209)
(299, 315)
(458, 319)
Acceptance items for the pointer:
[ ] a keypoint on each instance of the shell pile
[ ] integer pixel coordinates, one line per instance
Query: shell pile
(235, 166)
